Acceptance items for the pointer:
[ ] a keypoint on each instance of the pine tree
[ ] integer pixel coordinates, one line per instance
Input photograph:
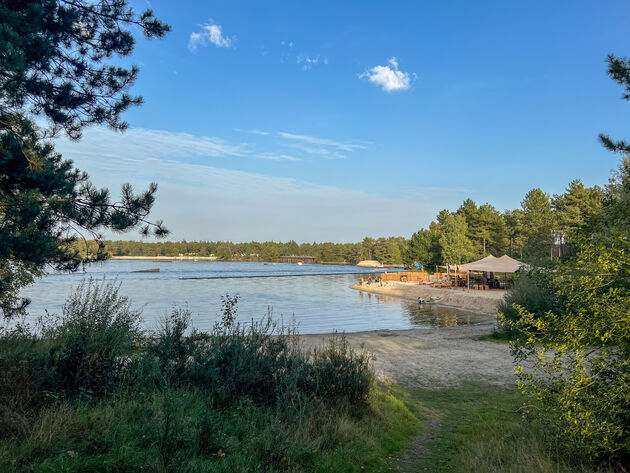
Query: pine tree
(54, 68)
(456, 246)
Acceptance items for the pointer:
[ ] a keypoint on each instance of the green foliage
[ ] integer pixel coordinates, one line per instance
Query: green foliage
(619, 71)
(52, 56)
(514, 224)
(424, 247)
(86, 392)
(260, 360)
(95, 348)
(538, 224)
(339, 372)
(577, 206)
(388, 250)
(182, 431)
(535, 290)
(486, 228)
(54, 65)
(456, 246)
(83, 352)
(92, 339)
(576, 361)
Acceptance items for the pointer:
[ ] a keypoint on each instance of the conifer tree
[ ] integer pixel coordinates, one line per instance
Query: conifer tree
(56, 70)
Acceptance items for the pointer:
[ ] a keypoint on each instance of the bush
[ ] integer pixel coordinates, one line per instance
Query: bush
(92, 340)
(95, 348)
(575, 363)
(342, 373)
(262, 361)
(533, 289)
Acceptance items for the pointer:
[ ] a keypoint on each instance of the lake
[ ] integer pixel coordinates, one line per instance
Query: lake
(317, 297)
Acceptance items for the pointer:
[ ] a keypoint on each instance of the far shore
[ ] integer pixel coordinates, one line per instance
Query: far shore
(479, 301)
(166, 258)
(214, 258)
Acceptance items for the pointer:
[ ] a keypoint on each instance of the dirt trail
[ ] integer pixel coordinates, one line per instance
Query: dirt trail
(433, 358)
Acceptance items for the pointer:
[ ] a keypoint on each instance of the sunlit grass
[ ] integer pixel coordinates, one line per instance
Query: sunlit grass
(480, 428)
(181, 431)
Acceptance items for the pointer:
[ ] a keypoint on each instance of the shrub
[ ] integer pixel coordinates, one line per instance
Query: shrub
(261, 361)
(341, 373)
(170, 346)
(575, 364)
(22, 361)
(533, 289)
(92, 339)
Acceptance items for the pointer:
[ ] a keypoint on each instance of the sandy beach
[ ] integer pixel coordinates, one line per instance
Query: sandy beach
(433, 358)
(439, 357)
(478, 301)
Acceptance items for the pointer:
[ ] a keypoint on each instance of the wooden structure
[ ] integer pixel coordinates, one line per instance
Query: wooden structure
(297, 259)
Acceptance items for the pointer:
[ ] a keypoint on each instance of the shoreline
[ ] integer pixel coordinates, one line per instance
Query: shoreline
(477, 301)
(431, 358)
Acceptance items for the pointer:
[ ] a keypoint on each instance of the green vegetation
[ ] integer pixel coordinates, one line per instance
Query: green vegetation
(54, 77)
(88, 391)
(385, 250)
(571, 324)
(182, 431)
(483, 428)
(534, 289)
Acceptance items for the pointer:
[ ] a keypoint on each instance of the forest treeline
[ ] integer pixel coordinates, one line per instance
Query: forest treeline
(530, 232)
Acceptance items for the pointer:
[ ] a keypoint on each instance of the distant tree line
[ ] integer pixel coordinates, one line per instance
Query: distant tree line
(473, 231)
(528, 233)
(386, 250)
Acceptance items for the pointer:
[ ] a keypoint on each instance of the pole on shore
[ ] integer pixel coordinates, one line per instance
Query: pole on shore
(469, 280)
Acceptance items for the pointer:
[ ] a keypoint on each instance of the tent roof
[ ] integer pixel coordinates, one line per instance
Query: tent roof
(490, 264)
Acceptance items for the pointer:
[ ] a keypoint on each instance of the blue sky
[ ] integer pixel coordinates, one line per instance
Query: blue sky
(331, 121)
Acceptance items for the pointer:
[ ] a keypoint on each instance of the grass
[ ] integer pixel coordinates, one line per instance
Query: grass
(89, 392)
(480, 428)
(181, 430)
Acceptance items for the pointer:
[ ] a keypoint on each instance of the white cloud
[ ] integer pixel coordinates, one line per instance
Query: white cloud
(389, 77)
(308, 62)
(277, 157)
(141, 143)
(313, 140)
(96, 142)
(199, 201)
(210, 33)
(254, 131)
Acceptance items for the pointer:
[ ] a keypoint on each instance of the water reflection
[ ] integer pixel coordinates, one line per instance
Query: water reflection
(320, 304)
(429, 314)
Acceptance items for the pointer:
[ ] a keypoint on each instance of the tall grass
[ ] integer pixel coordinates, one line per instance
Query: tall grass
(89, 391)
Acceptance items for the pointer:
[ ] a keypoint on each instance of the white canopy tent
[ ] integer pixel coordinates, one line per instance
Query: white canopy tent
(490, 264)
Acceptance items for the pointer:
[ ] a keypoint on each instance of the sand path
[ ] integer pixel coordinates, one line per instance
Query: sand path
(433, 358)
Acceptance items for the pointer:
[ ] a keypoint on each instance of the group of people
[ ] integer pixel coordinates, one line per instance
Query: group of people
(370, 281)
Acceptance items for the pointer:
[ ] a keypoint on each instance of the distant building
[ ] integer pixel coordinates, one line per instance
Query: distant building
(297, 259)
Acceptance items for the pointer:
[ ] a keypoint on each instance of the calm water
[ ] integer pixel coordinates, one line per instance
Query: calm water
(319, 304)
